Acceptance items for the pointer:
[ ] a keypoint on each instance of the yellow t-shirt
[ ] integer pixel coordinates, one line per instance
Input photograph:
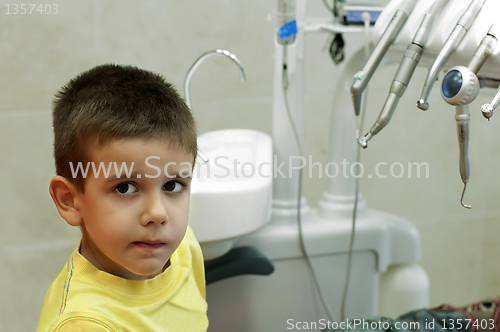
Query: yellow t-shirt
(83, 298)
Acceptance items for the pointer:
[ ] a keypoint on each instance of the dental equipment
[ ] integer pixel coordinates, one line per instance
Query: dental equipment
(463, 25)
(487, 109)
(362, 78)
(326, 229)
(404, 73)
(460, 87)
(196, 64)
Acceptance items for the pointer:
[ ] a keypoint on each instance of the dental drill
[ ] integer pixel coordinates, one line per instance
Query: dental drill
(451, 44)
(460, 87)
(362, 78)
(487, 109)
(405, 72)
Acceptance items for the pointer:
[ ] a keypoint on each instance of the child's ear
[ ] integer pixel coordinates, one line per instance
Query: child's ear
(63, 194)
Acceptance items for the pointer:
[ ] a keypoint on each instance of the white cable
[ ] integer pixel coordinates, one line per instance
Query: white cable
(322, 297)
(331, 316)
(366, 19)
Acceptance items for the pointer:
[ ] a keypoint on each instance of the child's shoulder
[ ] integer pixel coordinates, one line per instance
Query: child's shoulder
(84, 321)
(68, 307)
(83, 298)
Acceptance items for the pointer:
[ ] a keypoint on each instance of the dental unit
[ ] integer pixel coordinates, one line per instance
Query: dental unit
(262, 230)
(463, 25)
(276, 207)
(460, 87)
(362, 78)
(404, 72)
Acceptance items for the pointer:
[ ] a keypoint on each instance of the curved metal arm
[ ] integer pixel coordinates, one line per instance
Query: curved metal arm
(198, 62)
(462, 198)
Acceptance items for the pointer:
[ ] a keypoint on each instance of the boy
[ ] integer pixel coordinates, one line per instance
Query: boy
(124, 145)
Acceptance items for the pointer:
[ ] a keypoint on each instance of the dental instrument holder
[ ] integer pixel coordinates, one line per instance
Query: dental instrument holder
(463, 25)
(194, 66)
(460, 88)
(404, 73)
(362, 78)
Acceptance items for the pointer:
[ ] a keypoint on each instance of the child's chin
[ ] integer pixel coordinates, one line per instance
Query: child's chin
(149, 272)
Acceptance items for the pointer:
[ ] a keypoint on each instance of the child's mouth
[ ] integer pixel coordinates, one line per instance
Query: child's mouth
(149, 245)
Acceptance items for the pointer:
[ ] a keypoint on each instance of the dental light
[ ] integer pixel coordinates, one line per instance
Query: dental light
(363, 77)
(451, 44)
(460, 87)
(405, 72)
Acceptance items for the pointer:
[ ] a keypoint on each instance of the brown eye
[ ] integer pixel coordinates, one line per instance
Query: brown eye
(125, 188)
(173, 186)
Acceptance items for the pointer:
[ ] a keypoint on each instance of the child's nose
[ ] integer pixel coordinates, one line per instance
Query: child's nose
(155, 212)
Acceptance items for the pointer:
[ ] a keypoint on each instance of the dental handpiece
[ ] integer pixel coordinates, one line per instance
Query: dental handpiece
(451, 44)
(460, 87)
(363, 77)
(404, 73)
(487, 109)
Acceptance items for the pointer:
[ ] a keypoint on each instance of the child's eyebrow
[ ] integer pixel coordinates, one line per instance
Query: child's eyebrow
(135, 175)
(177, 176)
(113, 177)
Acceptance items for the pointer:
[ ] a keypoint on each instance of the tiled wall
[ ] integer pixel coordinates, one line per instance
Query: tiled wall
(39, 53)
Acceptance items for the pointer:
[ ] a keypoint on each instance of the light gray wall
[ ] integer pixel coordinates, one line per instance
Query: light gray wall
(40, 53)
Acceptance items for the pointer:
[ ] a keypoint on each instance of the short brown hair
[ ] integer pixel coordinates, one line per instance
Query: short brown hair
(112, 102)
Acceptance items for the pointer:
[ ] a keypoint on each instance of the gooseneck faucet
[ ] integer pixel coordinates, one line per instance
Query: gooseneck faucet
(196, 64)
(460, 87)
(405, 72)
(363, 77)
(463, 25)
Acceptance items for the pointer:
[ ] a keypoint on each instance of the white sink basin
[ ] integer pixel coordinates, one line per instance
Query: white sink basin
(231, 193)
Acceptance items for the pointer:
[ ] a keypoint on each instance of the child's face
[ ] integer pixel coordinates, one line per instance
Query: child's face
(131, 226)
